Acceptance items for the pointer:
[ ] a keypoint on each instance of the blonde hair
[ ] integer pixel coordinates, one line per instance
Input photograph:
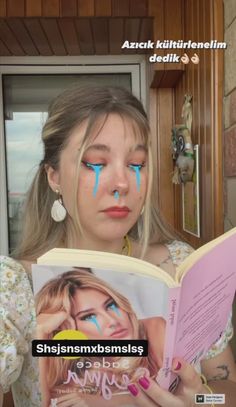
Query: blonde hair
(58, 295)
(70, 109)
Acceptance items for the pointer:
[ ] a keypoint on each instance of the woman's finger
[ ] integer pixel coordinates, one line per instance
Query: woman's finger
(161, 396)
(148, 393)
(190, 379)
(69, 323)
(141, 399)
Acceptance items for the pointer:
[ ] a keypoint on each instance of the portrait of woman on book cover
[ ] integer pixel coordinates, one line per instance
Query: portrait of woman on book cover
(79, 300)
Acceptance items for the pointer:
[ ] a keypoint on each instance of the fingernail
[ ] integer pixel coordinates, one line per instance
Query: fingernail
(133, 389)
(144, 382)
(178, 366)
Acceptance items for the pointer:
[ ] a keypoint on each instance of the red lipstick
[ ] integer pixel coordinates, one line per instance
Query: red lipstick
(117, 212)
(119, 333)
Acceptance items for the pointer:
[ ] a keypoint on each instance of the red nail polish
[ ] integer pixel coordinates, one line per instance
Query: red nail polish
(133, 389)
(144, 382)
(178, 366)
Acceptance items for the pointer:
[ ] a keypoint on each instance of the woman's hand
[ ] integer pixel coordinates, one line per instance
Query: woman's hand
(147, 393)
(48, 323)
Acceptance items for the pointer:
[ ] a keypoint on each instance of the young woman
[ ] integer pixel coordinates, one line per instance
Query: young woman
(79, 300)
(93, 190)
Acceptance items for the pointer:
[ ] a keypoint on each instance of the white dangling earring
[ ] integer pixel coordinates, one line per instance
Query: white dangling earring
(142, 211)
(58, 211)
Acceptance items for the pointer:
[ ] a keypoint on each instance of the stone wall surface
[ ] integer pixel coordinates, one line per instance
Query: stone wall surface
(230, 57)
(229, 11)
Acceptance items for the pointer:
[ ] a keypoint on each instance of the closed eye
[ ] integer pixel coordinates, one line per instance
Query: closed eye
(92, 166)
(134, 166)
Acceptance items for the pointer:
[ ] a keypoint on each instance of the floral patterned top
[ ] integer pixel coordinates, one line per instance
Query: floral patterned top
(18, 369)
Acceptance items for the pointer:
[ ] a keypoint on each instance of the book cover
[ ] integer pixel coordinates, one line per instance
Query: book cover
(103, 305)
(118, 299)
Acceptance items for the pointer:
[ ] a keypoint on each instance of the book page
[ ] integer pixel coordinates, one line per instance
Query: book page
(207, 294)
(93, 258)
(102, 305)
(201, 251)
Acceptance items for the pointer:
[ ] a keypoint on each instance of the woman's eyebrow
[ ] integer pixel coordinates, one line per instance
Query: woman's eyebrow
(93, 309)
(139, 147)
(105, 148)
(98, 147)
(84, 312)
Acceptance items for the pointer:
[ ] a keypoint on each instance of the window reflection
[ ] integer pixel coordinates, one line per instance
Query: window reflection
(26, 99)
(24, 152)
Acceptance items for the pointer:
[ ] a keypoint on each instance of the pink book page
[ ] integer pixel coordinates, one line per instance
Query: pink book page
(206, 298)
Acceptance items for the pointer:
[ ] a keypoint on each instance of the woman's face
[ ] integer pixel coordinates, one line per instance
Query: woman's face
(112, 181)
(98, 316)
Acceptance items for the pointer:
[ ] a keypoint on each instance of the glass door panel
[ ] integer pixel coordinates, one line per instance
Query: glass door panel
(26, 99)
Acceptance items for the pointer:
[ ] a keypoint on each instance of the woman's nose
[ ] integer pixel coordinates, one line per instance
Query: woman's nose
(120, 182)
(110, 321)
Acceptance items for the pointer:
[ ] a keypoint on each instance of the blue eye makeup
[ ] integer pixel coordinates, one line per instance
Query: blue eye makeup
(137, 168)
(113, 306)
(92, 318)
(97, 169)
(87, 317)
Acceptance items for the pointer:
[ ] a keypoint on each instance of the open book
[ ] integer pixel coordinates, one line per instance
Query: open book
(117, 298)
